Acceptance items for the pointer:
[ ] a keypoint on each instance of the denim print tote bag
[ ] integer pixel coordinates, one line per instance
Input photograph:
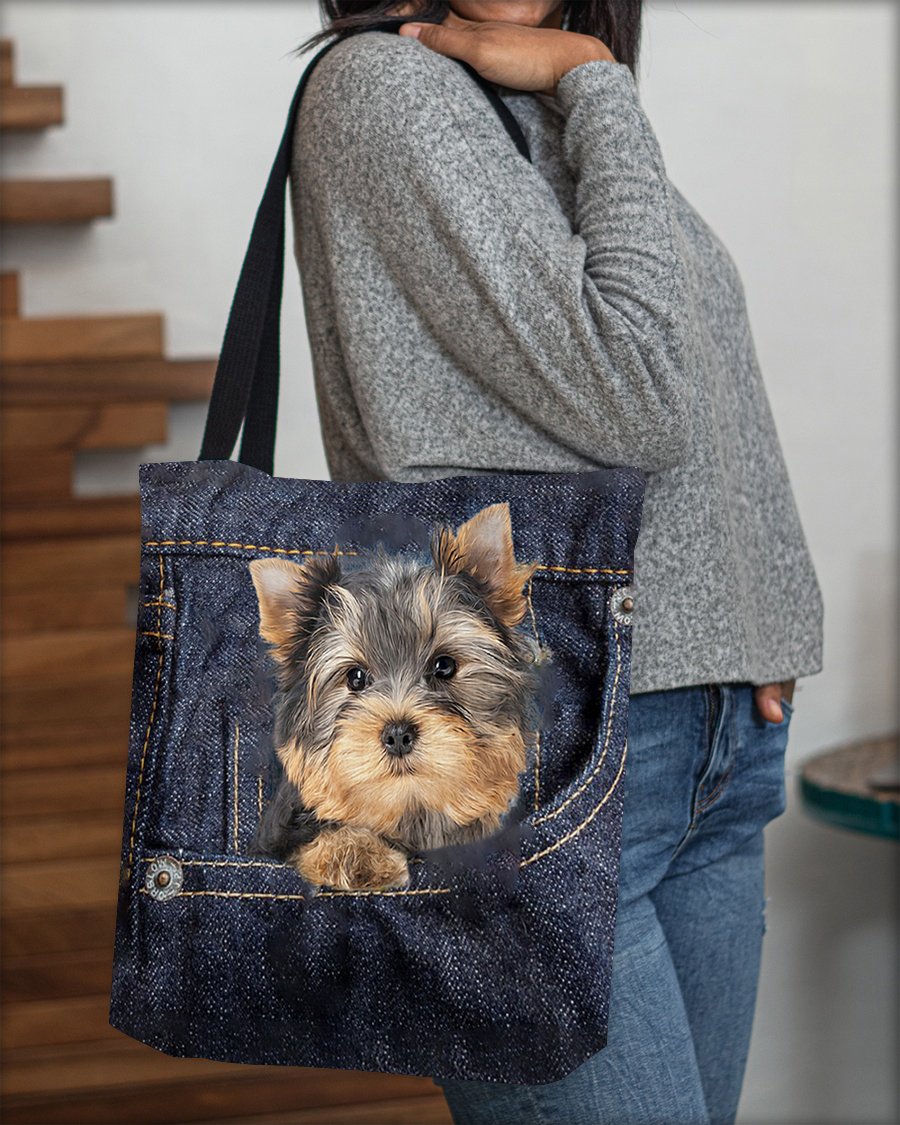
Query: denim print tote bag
(373, 800)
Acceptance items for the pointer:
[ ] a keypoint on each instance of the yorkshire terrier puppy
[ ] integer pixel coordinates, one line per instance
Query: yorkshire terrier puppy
(405, 706)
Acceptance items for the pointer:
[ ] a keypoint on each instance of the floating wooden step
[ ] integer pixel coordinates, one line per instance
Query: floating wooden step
(55, 201)
(90, 515)
(38, 565)
(105, 698)
(32, 838)
(60, 884)
(9, 294)
(42, 662)
(100, 574)
(45, 744)
(25, 108)
(76, 339)
(45, 976)
(112, 425)
(28, 793)
(184, 380)
(36, 478)
(82, 673)
(429, 1110)
(51, 609)
(41, 1023)
(139, 1107)
(50, 932)
(233, 1087)
(6, 63)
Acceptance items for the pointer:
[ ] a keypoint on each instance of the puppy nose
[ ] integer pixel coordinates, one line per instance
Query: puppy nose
(398, 737)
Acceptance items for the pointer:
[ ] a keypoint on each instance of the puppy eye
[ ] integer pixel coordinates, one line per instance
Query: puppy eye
(357, 678)
(443, 668)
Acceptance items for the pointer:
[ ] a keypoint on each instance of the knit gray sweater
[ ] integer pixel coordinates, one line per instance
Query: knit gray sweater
(471, 312)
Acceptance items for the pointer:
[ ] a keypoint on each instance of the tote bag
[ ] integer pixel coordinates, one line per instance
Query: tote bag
(492, 960)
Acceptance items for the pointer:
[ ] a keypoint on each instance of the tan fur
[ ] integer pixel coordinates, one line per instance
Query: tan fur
(351, 859)
(483, 546)
(277, 582)
(356, 784)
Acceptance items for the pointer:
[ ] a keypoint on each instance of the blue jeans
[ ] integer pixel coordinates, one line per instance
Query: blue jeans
(704, 775)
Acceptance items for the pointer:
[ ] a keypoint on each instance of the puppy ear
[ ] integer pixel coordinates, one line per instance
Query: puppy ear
(483, 547)
(290, 596)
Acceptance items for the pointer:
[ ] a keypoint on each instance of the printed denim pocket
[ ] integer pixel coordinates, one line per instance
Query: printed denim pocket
(770, 792)
(218, 770)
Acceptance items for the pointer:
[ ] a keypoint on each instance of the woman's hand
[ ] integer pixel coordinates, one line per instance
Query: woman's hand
(522, 58)
(768, 699)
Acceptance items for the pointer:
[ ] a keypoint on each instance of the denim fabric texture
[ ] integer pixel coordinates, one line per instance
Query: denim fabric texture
(705, 775)
(497, 970)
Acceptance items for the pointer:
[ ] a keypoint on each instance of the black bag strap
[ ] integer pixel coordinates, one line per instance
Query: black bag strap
(246, 383)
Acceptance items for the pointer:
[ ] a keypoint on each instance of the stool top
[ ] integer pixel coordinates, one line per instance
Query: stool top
(856, 786)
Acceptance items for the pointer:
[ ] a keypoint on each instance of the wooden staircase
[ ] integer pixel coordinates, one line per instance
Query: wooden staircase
(69, 571)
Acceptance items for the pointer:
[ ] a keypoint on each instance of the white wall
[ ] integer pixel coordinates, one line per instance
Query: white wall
(776, 120)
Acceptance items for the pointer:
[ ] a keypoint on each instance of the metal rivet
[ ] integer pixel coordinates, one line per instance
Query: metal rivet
(621, 604)
(164, 877)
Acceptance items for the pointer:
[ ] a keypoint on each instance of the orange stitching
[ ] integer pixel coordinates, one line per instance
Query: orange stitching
(274, 864)
(420, 891)
(578, 827)
(157, 601)
(306, 551)
(237, 735)
(583, 569)
(259, 795)
(162, 636)
(319, 894)
(599, 765)
(229, 894)
(242, 546)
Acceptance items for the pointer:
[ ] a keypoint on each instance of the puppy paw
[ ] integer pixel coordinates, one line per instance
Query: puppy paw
(351, 859)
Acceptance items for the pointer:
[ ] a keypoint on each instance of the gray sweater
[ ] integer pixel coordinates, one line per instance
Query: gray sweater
(470, 312)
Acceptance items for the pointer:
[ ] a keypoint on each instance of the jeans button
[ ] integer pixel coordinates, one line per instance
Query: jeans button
(621, 604)
(164, 878)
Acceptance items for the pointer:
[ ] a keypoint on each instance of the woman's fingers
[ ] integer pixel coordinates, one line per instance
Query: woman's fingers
(768, 699)
(768, 702)
(453, 36)
(514, 55)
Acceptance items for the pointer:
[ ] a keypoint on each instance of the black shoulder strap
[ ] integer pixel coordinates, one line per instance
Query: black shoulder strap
(246, 384)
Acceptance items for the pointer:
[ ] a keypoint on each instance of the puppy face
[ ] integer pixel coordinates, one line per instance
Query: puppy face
(404, 689)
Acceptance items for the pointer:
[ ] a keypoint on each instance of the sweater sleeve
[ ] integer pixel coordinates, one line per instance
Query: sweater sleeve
(581, 331)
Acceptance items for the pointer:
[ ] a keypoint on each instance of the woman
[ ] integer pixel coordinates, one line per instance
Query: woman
(471, 312)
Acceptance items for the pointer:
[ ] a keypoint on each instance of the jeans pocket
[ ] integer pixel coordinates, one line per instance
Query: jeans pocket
(772, 763)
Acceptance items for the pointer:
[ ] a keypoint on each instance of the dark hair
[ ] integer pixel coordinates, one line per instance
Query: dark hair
(617, 23)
